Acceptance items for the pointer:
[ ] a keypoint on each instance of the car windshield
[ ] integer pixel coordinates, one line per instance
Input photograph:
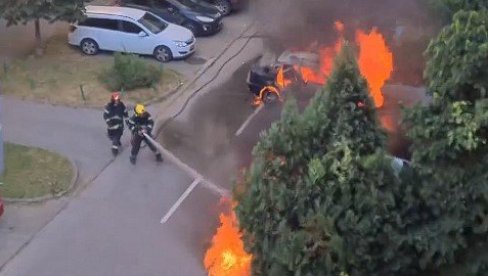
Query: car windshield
(152, 23)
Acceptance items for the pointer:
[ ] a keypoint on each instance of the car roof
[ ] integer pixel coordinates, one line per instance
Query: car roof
(299, 58)
(132, 13)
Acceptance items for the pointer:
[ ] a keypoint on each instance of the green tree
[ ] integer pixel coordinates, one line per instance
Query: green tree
(450, 150)
(447, 8)
(356, 121)
(24, 11)
(291, 198)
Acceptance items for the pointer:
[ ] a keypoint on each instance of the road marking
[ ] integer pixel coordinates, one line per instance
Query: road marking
(180, 200)
(208, 184)
(248, 120)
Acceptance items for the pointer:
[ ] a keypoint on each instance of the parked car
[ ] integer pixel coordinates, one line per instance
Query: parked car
(200, 18)
(130, 30)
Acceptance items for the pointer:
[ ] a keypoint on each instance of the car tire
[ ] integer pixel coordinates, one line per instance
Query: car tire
(270, 97)
(224, 6)
(89, 47)
(163, 54)
(192, 27)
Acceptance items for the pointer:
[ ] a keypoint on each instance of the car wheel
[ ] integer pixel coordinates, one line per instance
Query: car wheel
(191, 27)
(89, 47)
(270, 97)
(224, 6)
(163, 54)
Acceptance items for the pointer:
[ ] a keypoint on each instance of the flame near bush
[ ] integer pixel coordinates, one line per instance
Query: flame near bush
(226, 256)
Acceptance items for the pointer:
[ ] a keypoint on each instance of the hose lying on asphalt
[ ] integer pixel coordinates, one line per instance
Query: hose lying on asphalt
(185, 104)
(213, 187)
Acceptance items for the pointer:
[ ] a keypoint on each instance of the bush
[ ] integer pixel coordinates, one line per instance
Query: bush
(129, 72)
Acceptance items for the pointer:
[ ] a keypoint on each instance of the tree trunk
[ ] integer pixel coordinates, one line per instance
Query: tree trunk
(39, 50)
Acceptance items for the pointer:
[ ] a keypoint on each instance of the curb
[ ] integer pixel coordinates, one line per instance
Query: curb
(40, 199)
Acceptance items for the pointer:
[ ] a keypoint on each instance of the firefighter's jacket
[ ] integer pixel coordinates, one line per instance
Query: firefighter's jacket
(114, 115)
(136, 123)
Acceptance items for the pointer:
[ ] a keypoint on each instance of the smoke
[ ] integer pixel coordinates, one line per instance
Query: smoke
(407, 26)
(294, 22)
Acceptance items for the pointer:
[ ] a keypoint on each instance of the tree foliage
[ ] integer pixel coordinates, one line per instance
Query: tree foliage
(456, 67)
(349, 102)
(450, 151)
(321, 197)
(447, 8)
(308, 181)
(23, 11)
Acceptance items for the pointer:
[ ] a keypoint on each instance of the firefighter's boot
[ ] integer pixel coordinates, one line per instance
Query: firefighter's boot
(115, 150)
(132, 159)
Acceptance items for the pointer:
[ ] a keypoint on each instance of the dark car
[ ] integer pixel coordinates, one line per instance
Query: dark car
(226, 6)
(200, 18)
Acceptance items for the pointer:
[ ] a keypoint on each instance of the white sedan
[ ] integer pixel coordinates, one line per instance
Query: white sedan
(122, 29)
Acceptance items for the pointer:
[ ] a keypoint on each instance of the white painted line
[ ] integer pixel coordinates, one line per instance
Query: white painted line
(248, 120)
(180, 200)
(208, 184)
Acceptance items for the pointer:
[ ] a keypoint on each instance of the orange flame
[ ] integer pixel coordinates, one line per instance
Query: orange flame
(326, 62)
(226, 256)
(375, 62)
(281, 81)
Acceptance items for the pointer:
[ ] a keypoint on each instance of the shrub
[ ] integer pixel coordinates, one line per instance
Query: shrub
(129, 72)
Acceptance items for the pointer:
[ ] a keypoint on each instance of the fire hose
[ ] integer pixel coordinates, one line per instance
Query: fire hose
(169, 156)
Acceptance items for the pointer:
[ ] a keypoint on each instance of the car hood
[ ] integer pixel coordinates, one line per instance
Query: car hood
(175, 32)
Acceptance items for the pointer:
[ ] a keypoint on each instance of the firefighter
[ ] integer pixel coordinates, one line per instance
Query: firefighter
(114, 114)
(141, 123)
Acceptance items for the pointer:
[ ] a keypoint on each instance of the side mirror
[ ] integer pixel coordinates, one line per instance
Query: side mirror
(142, 34)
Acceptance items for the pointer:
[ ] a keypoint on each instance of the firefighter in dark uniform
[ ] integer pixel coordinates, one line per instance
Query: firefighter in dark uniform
(114, 114)
(141, 123)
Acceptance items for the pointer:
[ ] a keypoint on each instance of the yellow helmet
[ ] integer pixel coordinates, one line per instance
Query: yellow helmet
(139, 109)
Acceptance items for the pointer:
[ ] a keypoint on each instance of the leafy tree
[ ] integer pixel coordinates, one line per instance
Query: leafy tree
(447, 8)
(450, 150)
(24, 11)
(287, 207)
(349, 102)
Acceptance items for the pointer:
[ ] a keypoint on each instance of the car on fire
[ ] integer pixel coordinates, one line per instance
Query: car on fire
(270, 75)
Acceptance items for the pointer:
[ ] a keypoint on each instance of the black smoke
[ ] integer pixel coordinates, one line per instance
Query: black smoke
(407, 26)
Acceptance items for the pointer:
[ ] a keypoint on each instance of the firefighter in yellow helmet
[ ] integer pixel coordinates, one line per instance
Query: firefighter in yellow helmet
(141, 123)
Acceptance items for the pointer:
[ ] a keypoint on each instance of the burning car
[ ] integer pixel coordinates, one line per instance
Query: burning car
(268, 77)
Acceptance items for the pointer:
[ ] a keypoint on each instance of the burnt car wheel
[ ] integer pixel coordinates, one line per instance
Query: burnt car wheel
(224, 6)
(270, 97)
(163, 54)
